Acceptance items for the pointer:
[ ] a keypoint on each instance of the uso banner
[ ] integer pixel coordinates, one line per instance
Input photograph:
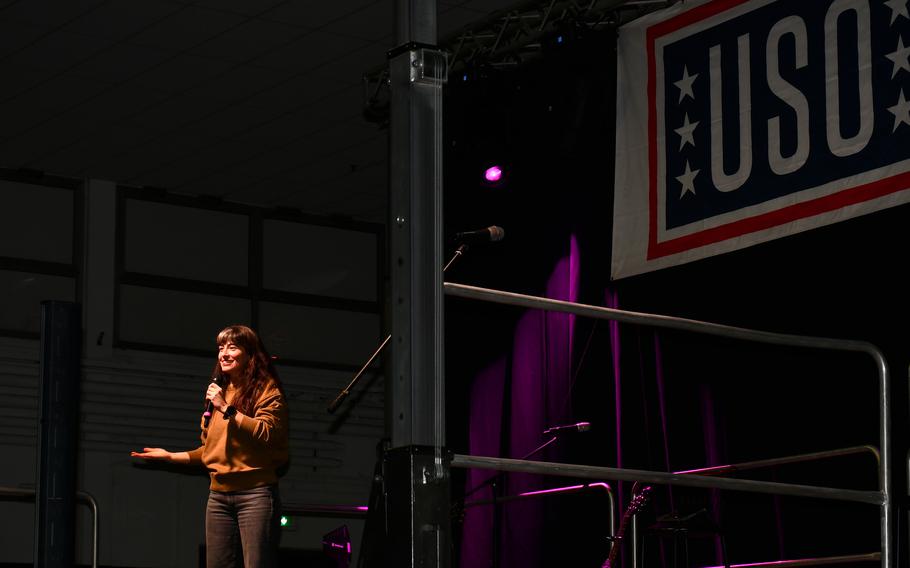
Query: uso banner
(742, 121)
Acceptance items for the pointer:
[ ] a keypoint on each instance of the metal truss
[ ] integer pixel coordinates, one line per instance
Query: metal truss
(515, 36)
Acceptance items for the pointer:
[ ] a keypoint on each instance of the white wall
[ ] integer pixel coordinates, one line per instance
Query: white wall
(135, 398)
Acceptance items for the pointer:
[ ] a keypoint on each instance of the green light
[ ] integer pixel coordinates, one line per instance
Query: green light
(285, 521)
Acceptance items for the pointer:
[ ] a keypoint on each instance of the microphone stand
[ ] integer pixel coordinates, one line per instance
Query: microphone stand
(493, 478)
(333, 406)
(462, 248)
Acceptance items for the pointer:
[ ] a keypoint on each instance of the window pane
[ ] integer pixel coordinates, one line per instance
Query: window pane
(319, 334)
(175, 318)
(186, 242)
(327, 261)
(23, 294)
(37, 222)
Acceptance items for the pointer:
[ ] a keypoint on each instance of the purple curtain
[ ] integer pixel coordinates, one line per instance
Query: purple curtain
(528, 389)
(485, 420)
(522, 400)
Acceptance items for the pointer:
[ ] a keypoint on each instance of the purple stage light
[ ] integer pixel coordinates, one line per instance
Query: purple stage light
(493, 174)
(337, 546)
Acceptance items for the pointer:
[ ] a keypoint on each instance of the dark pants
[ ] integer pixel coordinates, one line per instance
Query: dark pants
(242, 528)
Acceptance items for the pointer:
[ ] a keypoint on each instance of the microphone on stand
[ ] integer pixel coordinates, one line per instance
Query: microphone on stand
(567, 428)
(209, 407)
(492, 233)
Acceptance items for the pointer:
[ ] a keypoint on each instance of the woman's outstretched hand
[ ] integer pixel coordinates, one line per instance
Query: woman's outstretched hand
(153, 454)
(160, 454)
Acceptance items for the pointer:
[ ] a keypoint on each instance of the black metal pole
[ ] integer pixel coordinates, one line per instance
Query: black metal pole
(58, 405)
(416, 477)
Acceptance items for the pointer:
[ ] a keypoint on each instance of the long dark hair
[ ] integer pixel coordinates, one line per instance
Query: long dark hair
(259, 372)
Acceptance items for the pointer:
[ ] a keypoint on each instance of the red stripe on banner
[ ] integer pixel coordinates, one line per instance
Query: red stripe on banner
(653, 33)
(695, 15)
(850, 196)
(652, 147)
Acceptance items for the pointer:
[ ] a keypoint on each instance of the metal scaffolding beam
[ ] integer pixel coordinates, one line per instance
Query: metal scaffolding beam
(511, 37)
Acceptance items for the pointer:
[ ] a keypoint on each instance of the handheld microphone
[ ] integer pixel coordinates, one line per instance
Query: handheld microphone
(566, 428)
(490, 234)
(209, 407)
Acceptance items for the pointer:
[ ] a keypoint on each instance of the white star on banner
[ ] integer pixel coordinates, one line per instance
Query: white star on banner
(900, 57)
(686, 132)
(901, 111)
(685, 84)
(898, 8)
(687, 180)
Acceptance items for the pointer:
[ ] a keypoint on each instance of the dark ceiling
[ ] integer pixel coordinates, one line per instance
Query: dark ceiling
(257, 102)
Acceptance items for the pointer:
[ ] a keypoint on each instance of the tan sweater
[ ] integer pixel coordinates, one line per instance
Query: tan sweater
(244, 451)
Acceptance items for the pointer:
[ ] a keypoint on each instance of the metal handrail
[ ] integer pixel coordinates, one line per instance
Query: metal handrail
(83, 496)
(786, 460)
(557, 491)
(826, 561)
(361, 511)
(881, 498)
(799, 458)
(660, 477)
(316, 510)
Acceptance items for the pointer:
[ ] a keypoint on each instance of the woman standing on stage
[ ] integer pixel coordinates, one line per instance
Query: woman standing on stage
(244, 446)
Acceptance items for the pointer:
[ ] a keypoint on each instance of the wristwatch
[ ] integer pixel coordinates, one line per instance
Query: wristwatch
(229, 412)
